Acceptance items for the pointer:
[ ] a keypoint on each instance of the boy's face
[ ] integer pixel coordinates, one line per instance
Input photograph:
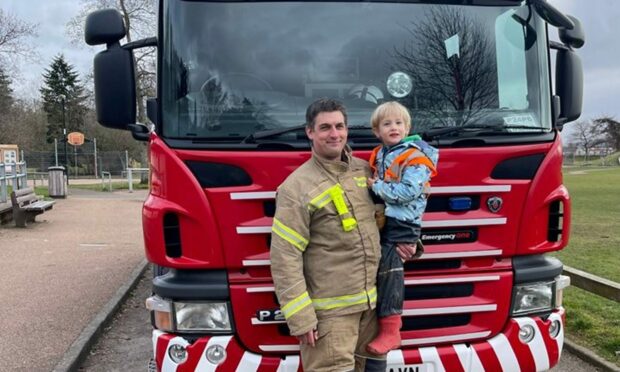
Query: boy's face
(392, 129)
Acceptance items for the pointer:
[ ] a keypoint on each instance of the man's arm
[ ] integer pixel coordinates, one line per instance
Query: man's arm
(289, 240)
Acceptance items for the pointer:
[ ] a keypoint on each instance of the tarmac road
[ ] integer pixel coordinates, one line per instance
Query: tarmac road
(126, 343)
(58, 272)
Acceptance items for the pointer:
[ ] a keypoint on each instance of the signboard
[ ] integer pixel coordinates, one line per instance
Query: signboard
(75, 138)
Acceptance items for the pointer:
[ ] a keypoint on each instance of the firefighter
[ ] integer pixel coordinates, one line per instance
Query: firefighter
(325, 250)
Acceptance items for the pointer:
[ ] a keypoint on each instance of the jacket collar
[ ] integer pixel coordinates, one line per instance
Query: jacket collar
(334, 166)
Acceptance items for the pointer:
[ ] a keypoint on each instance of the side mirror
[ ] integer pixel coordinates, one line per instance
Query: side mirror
(104, 27)
(115, 83)
(575, 37)
(569, 85)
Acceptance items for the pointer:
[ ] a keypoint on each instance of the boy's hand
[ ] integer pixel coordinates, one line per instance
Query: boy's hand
(406, 251)
(370, 181)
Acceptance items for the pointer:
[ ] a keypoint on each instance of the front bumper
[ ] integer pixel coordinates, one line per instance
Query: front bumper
(502, 352)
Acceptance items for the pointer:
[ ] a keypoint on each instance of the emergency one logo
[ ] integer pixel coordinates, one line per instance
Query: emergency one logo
(495, 204)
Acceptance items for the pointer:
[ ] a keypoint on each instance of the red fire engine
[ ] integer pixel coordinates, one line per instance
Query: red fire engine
(234, 80)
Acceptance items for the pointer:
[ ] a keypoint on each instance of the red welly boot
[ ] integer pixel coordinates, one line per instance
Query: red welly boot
(388, 337)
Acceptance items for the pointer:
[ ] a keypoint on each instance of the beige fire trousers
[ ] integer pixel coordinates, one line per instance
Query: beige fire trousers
(341, 345)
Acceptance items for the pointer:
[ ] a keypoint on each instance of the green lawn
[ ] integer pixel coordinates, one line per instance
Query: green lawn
(594, 246)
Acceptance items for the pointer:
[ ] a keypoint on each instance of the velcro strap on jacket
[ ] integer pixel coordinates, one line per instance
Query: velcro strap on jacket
(289, 235)
(335, 194)
(348, 222)
(296, 305)
(344, 301)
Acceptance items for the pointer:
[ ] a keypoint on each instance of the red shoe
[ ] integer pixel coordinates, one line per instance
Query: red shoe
(388, 337)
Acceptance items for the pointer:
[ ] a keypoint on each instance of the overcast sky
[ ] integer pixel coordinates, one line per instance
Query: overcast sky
(600, 55)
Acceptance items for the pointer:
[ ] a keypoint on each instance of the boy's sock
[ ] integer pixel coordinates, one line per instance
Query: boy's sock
(388, 337)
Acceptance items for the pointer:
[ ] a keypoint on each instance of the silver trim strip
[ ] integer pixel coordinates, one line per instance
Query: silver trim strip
(470, 279)
(466, 222)
(450, 310)
(255, 321)
(255, 195)
(432, 340)
(279, 347)
(433, 256)
(470, 189)
(258, 195)
(254, 230)
(256, 262)
(259, 289)
(441, 223)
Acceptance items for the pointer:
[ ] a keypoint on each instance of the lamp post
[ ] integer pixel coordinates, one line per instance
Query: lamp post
(64, 133)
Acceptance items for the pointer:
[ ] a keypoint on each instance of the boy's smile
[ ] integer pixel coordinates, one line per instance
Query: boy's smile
(392, 130)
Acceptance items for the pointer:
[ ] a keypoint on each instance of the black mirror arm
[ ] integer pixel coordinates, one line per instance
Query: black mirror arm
(139, 132)
(142, 43)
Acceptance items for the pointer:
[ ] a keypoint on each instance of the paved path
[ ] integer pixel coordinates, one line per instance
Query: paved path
(58, 272)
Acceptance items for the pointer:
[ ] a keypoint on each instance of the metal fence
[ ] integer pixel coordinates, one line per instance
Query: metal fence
(80, 162)
(14, 175)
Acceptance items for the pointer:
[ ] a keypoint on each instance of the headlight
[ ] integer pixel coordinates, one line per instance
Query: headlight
(538, 297)
(532, 298)
(204, 317)
(195, 316)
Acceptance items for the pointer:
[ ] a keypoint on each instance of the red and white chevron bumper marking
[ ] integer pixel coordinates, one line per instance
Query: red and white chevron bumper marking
(503, 352)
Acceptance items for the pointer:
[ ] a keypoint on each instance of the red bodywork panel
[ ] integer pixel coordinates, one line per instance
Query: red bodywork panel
(229, 228)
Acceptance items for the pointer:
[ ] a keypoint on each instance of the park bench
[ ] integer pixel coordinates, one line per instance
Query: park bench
(27, 205)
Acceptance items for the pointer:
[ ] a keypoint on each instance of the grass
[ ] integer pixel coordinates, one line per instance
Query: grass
(594, 240)
(594, 247)
(115, 186)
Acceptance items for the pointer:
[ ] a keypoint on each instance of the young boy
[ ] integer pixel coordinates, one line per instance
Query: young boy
(403, 167)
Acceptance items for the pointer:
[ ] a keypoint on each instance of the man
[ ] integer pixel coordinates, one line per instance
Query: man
(325, 250)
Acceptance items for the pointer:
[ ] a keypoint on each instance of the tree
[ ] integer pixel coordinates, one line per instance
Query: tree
(140, 19)
(585, 136)
(6, 94)
(63, 99)
(465, 81)
(610, 130)
(13, 35)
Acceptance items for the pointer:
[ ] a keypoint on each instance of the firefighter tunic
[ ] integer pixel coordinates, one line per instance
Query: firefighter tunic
(325, 246)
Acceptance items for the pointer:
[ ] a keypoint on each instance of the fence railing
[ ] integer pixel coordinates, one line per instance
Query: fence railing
(593, 284)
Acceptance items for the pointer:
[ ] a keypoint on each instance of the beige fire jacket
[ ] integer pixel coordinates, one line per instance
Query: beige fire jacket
(324, 244)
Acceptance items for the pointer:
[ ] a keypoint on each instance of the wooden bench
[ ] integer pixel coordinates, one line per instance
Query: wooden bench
(27, 205)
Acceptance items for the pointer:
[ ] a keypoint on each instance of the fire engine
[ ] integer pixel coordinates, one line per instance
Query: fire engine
(483, 82)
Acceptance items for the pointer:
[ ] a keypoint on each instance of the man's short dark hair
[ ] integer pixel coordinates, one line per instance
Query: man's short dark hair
(324, 105)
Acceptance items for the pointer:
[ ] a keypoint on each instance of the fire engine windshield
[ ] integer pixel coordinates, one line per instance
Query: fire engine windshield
(231, 69)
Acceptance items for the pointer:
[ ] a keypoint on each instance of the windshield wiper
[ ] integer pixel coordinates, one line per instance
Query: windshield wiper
(279, 131)
(271, 133)
(434, 133)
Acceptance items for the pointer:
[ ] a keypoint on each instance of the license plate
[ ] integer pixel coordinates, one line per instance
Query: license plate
(408, 368)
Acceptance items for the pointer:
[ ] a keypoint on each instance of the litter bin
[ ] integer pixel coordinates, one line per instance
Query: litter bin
(57, 185)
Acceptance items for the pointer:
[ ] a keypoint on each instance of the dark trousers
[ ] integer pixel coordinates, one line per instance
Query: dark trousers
(391, 276)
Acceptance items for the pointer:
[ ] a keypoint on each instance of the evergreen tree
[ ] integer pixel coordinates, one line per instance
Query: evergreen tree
(63, 99)
(6, 93)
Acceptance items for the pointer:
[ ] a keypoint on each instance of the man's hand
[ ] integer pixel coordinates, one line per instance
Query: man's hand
(406, 251)
(309, 338)
(370, 181)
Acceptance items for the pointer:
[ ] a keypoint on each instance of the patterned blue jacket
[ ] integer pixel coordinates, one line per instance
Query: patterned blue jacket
(404, 200)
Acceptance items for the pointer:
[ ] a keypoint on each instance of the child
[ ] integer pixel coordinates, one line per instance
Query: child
(403, 167)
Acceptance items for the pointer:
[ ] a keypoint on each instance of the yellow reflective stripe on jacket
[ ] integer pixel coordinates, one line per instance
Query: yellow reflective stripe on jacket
(289, 235)
(296, 305)
(344, 301)
(322, 200)
(360, 181)
(348, 222)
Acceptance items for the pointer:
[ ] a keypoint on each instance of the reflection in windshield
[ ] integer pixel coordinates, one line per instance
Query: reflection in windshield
(230, 69)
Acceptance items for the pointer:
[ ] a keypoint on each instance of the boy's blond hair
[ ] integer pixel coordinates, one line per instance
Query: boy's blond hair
(390, 108)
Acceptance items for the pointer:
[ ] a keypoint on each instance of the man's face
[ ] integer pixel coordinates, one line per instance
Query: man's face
(328, 135)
